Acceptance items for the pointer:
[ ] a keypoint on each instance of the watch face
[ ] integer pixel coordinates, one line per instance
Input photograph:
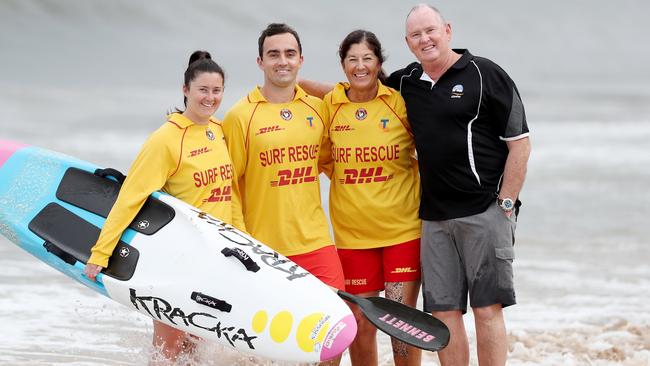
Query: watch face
(507, 204)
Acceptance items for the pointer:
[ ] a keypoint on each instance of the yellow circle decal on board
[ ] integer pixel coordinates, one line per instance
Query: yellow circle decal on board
(312, 330)
(281, 326)
(259, 321)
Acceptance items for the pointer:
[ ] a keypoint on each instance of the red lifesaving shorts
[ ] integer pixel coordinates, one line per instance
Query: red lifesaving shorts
(367, 270)
(324, 263)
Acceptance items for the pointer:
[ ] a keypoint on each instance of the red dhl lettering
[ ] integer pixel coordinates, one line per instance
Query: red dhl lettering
(199, 151)
(368, 154)
(341, 128)
(269, 129)
(364, 175)
(220, 194)
(295, 176)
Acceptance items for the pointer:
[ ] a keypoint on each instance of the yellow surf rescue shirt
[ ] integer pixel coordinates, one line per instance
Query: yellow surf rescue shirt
(275, 150)
(186, 160)
(375, 188)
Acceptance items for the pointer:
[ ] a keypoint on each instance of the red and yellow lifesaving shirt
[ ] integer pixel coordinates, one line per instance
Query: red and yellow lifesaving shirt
(186, 160)
(375, 189)
(275, 150)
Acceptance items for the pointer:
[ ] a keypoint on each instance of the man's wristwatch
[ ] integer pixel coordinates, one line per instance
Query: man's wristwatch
(506, 204)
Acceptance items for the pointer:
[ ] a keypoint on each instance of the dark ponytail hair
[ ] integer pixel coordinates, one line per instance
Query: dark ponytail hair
(361, 36)
(200, 62)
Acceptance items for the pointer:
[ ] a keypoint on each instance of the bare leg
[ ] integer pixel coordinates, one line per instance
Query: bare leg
(169, 340)
(363, 350)
(457, 351)
(333, 362)
(491, 340)
(405, 293)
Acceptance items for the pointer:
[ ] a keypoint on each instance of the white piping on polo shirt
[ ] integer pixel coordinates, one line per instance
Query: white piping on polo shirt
(514, 138)
(470, 149)
(406, 76)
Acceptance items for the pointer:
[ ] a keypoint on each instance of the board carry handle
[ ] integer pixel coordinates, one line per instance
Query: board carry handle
(110, 172)
(244, 258)
(65, 256)
(210, 301)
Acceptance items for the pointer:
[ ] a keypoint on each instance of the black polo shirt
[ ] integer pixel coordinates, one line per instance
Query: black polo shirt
(461, 124)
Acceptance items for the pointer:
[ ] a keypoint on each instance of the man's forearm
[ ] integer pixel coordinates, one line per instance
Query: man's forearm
(515, 169)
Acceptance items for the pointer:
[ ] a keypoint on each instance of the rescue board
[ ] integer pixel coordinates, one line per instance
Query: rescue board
(174, 263)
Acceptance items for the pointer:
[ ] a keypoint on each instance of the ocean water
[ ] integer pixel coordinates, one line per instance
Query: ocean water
(92, 79)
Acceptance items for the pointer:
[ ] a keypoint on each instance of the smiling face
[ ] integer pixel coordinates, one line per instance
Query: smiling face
(361, 67)
(204, 94)
(427, 35)
(281, 60)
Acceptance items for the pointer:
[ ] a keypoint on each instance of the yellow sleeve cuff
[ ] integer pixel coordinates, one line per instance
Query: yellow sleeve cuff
(99, 259)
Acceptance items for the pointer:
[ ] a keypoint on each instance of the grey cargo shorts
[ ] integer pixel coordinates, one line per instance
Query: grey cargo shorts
(468, 255)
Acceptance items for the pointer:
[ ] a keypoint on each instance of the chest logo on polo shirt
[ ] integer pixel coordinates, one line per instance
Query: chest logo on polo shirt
(383, 124)
(361, 114)
(286, 114)
(268, 129)
(342, 128)
(199, 151)
(457, 91)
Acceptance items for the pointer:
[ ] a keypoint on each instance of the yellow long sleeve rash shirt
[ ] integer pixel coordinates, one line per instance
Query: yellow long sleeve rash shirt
(275, 150)
(184, 159)
(375, 184)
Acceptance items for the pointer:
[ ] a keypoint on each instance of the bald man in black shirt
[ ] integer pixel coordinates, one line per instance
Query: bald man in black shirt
(473, 146)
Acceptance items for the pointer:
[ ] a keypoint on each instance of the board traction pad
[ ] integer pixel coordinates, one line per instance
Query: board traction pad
(75, 236)
(97, 195)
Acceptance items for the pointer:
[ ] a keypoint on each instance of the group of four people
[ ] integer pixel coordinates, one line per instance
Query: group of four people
(454, 231)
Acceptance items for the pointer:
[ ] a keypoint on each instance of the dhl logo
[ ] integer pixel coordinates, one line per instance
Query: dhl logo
(295, 176)
(200, 151)
(403, 270)
(364, 175)
(342, 128)
(220, 195)
(269, 129)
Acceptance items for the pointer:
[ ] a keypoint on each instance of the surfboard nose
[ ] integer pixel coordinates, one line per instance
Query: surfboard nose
(339, 337)
(7, 148)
